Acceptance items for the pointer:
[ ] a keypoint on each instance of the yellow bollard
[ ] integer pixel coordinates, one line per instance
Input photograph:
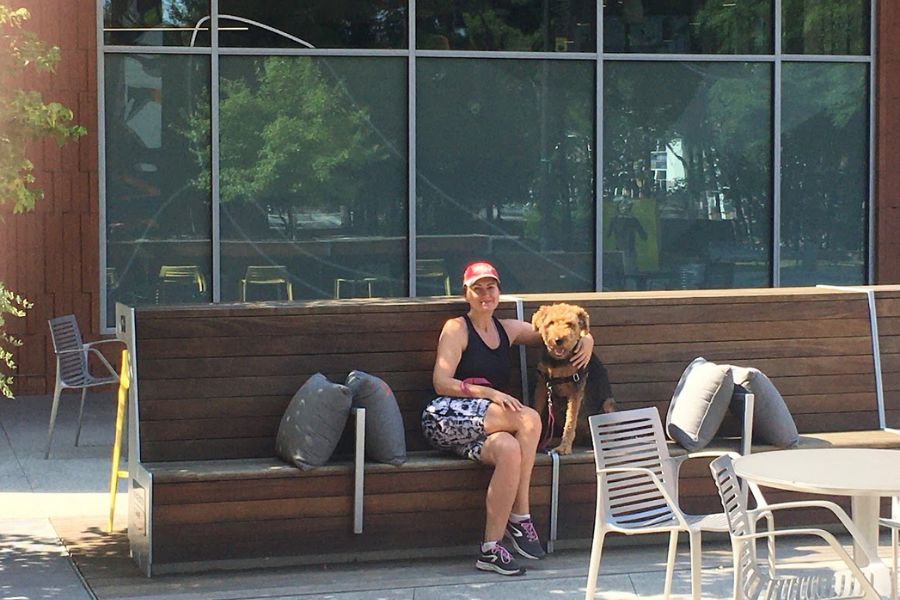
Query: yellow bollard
(115, 473)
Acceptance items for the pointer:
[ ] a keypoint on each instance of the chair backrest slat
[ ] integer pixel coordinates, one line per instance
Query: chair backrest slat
(750, 578)
(66, 336)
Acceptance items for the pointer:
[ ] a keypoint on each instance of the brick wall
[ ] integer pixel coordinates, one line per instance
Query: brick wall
(51, 255)
(887, 165)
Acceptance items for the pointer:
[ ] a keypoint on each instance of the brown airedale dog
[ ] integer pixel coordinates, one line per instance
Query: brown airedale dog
(568, 395)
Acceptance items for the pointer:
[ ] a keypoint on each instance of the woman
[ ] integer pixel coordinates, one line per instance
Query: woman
(474, 417)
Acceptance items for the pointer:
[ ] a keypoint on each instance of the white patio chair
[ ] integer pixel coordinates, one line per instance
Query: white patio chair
(637, 490)
(72, 368)
(752, 582)
(893, 523)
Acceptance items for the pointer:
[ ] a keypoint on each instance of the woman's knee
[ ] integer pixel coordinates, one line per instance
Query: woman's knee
(502, 448)
(530, 418)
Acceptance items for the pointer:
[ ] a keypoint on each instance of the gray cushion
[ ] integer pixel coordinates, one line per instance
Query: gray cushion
(699, 403)
(385, 438)
(772, 421)
(313, 422)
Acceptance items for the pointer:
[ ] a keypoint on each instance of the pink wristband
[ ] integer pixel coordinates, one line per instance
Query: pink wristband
(464, 388)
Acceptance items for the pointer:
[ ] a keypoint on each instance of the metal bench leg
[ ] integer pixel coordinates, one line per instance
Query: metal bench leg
(56, 393)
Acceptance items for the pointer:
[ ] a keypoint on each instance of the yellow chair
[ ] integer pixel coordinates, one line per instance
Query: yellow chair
(341, 284)
(184, 277)
(276, 275)
(433, 269)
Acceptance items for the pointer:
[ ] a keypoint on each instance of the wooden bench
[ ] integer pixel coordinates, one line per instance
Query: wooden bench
(212, 382)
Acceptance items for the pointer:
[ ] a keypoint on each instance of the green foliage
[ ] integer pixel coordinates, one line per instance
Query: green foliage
(15, 305)
(286, 138)
(24, 118)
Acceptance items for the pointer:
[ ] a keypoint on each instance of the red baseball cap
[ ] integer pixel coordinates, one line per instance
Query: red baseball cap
(479, 270)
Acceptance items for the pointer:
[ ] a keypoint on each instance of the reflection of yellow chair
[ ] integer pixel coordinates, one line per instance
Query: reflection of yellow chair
(276, 275)
(187, 278)
(434, 270)
(341, 284)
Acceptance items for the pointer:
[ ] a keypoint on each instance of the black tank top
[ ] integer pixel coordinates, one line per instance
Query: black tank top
(478, 360)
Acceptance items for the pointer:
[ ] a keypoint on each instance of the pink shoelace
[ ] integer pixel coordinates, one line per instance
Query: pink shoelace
(505, 556)
(530, 531)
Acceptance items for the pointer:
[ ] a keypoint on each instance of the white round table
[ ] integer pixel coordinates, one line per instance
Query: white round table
(864, 474)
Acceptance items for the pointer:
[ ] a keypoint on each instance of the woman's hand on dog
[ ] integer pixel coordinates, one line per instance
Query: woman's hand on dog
(582, 356)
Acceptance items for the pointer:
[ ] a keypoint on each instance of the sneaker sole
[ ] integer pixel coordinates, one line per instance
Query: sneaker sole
(518, 549)
(486, 566)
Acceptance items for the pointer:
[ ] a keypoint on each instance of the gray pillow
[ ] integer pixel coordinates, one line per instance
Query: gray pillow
(313, 422)
(385, 438)
(699, 403)
(772, 421)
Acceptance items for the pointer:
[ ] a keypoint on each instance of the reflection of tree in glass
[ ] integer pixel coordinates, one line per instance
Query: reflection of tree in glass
(159, 13)
(512, 25)
(322, 23)
(489, 31)
(711, 119)
(735, 27)
(284, 138)
(501, 133)
(826, 26)
(824, 174)
(689, 26)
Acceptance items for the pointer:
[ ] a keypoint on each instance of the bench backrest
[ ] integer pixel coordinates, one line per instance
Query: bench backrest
(215, 380)
(814, 343)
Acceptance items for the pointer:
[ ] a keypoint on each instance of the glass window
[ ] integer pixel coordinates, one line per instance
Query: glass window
(157, 180)
(505, 171)
(686, 175)
(824, 177)
(825, 27)
(156, 22)
(313, 23)
(512, 25)
(688, 26)
(313, 177)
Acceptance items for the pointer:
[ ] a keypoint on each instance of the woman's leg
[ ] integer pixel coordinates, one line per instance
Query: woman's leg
(501, 450)
(525, 427)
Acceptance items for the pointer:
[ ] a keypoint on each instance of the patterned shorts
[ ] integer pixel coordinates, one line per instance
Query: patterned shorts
(456, 425)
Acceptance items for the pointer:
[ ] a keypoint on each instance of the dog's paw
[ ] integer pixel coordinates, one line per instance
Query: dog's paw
(563, 449)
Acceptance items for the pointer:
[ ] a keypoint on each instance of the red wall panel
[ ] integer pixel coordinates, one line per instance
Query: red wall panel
(51, 256)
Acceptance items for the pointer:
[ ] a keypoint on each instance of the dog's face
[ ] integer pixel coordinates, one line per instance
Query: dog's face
(561, 327)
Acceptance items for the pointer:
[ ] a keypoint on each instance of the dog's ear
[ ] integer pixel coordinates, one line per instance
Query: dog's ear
(584, 320)
(539, 317)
